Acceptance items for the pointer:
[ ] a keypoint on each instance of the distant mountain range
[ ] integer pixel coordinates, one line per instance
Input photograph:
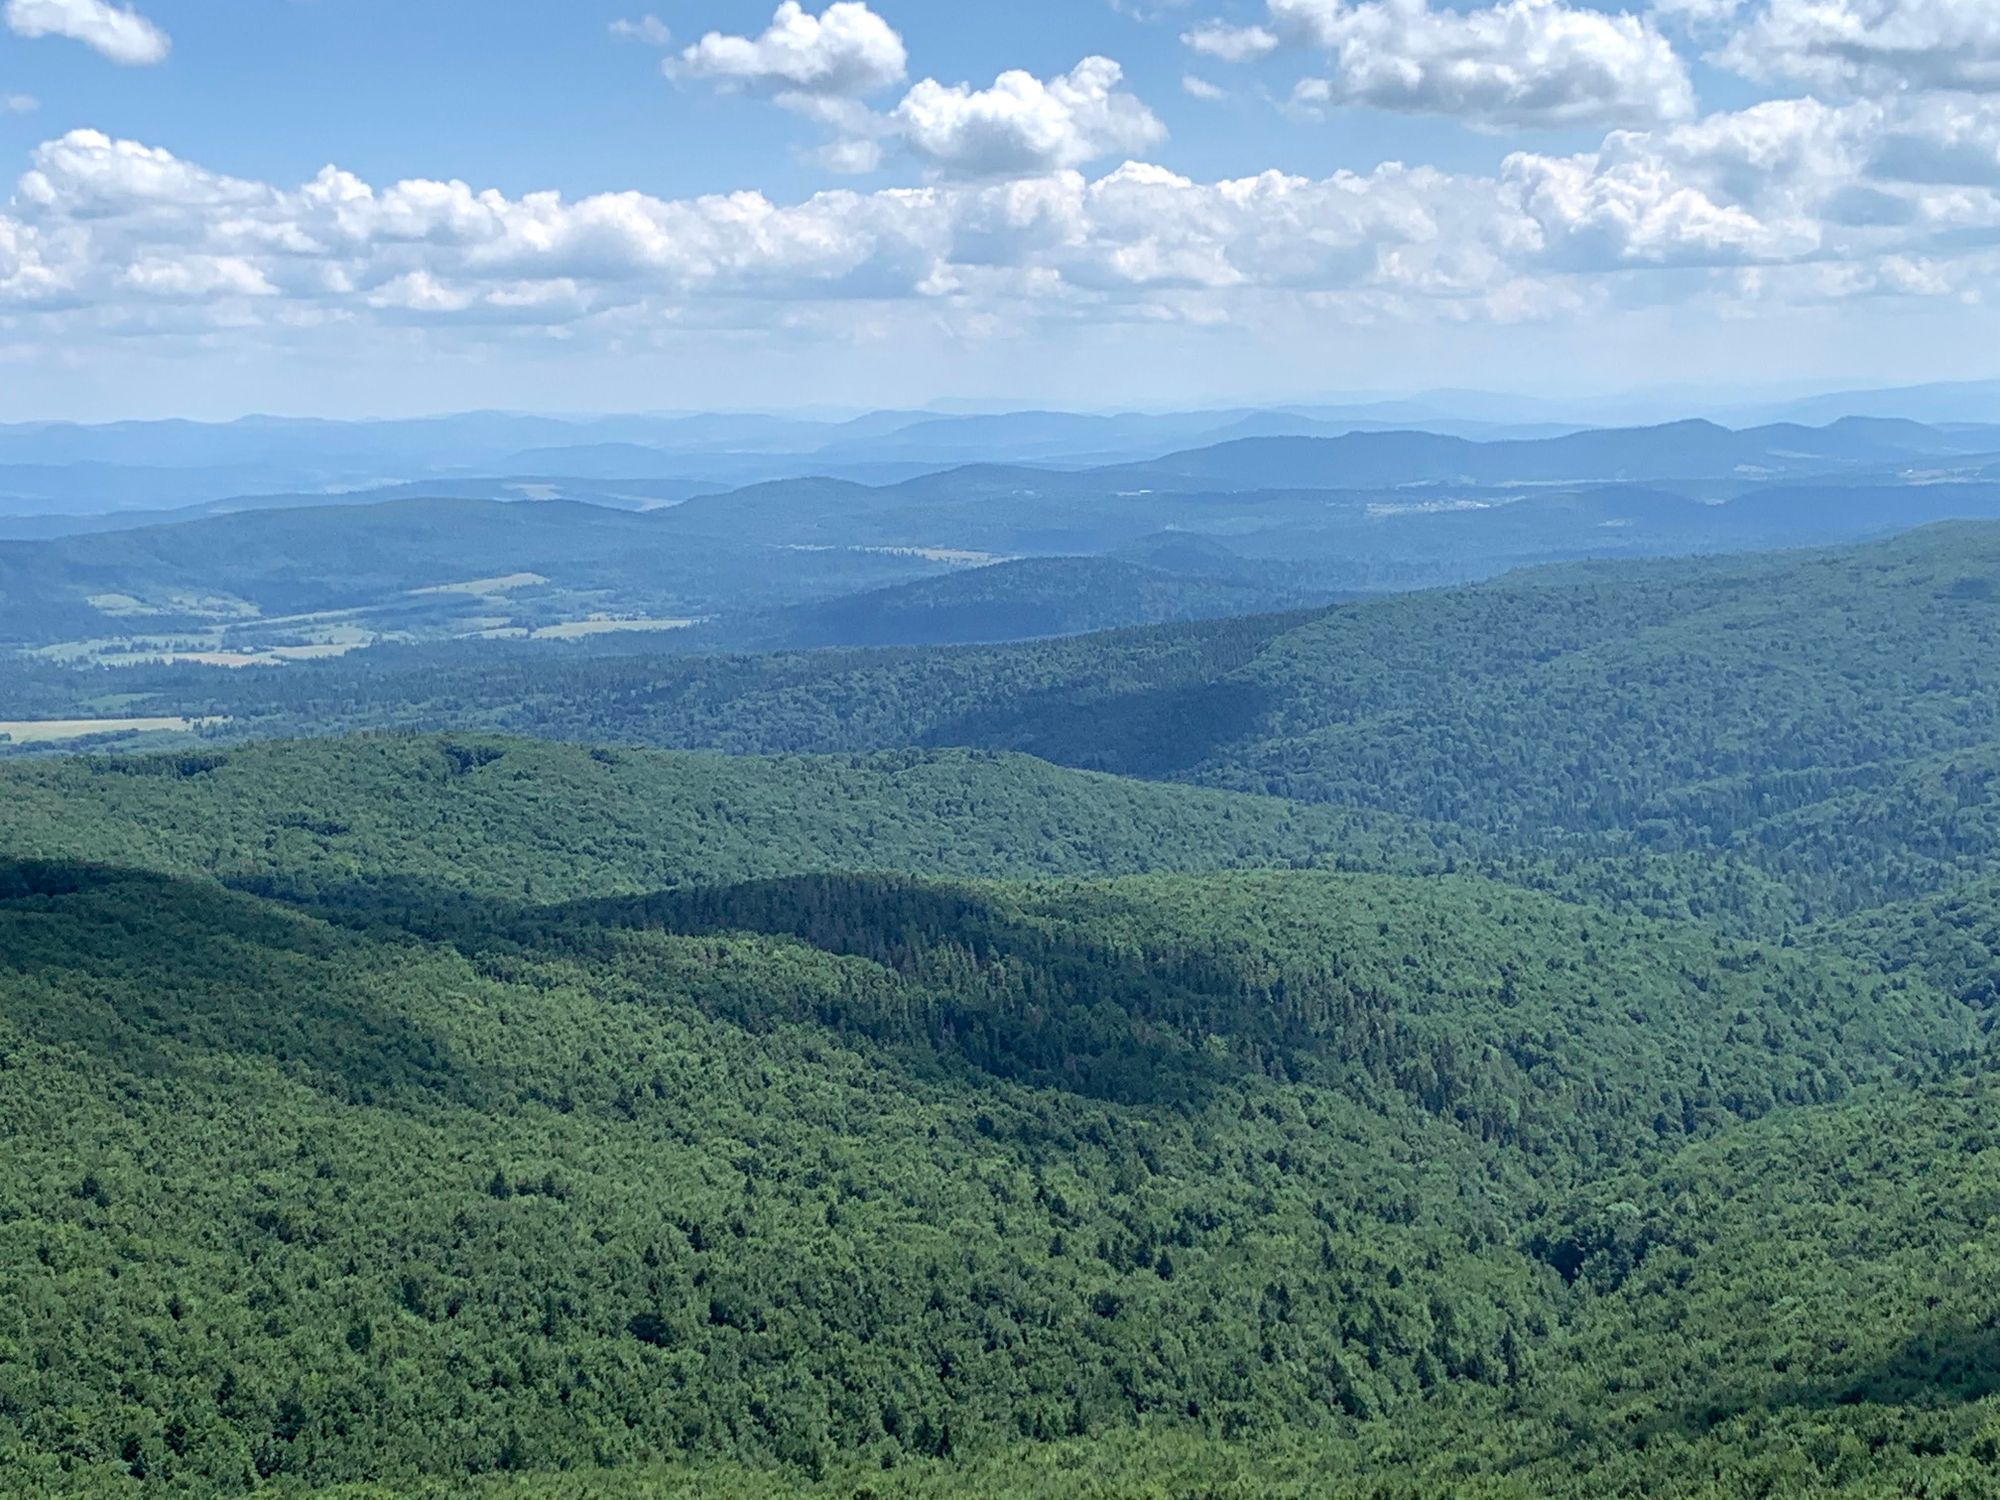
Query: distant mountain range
(62, 468)
(978, 552)
(68, 469)
(1691, 450)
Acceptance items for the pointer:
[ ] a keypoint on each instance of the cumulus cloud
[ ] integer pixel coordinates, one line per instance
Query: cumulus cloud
(1872, 46)
(847, 52)
(1794, 200)
(1020, 125)
(1196, 87)
(185, 277)
(1941, 139)
(1521, 63)
(1023, 125)
(87, 172)
(1785, 184)
(1635, 210)
(124, 36)
(827, 67)
(119, 228)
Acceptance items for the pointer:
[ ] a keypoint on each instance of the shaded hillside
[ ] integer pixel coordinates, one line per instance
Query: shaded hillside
(1025, 599)
(294, 1203)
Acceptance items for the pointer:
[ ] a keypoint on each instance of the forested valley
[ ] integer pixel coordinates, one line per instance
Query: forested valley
(1532, 1039)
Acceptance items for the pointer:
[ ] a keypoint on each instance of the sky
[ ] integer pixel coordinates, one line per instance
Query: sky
(388, 207)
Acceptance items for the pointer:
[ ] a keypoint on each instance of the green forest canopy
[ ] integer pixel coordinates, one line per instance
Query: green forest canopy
(456, 1113)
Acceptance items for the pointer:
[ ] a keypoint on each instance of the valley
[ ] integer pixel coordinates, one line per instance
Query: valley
(972, 553)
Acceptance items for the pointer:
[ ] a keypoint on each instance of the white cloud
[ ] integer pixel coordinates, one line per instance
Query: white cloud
(87, 172)
(854, 156)
(1200, 88)
(19, 104)
(1698, 13)
(124, 36)
(848, 52)
(649, 29)
(1601, 210)
(1941, 139)
(1872, 46)
(1231, 43)
(1797, 201)
(186, 277)
(1022, 125)
(1785, 183)
(824, 68)
(1520, 63)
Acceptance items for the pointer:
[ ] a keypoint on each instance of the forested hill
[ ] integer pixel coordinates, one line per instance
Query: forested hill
(522, 820)
(1578, 1083)
(1819, 715)
(1297, 1160)
(1023, 599)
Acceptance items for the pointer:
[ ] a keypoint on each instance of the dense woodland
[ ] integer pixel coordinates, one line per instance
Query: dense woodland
(1528, 1040)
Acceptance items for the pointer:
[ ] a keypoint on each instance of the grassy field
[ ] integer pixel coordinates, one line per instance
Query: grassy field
(49, 731)
(576, 630)
(479, 587)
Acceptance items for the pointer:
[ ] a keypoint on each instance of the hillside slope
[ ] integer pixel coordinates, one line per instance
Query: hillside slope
(1022, 599)
(394, 557)
(288, 1201)
(522, 820)
(1820, 716)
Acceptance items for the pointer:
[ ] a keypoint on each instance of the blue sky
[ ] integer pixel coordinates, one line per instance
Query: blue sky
(718, 203)
(540, 94)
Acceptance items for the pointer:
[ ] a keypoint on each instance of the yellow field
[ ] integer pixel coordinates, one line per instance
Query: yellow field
(577, 629)
(268, 656)
(478, 587)
(48, 731)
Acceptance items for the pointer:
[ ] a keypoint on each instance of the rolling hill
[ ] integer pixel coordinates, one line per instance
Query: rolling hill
(1699, 707)
(1579, 1083)
(1293, 519)
(1021, 599)
(402, 563)
(1689, 450)
(507, 819)
(333, 1067)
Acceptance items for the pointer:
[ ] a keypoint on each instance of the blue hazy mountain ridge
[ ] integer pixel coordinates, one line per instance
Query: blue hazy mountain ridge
(86, 470)
(1019, 600)
(1285, 521)
(621, 494)
(421, 555)
(487, 437)
(92, 487)
(1688, 450)
(1941, 403)
(208, 461)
